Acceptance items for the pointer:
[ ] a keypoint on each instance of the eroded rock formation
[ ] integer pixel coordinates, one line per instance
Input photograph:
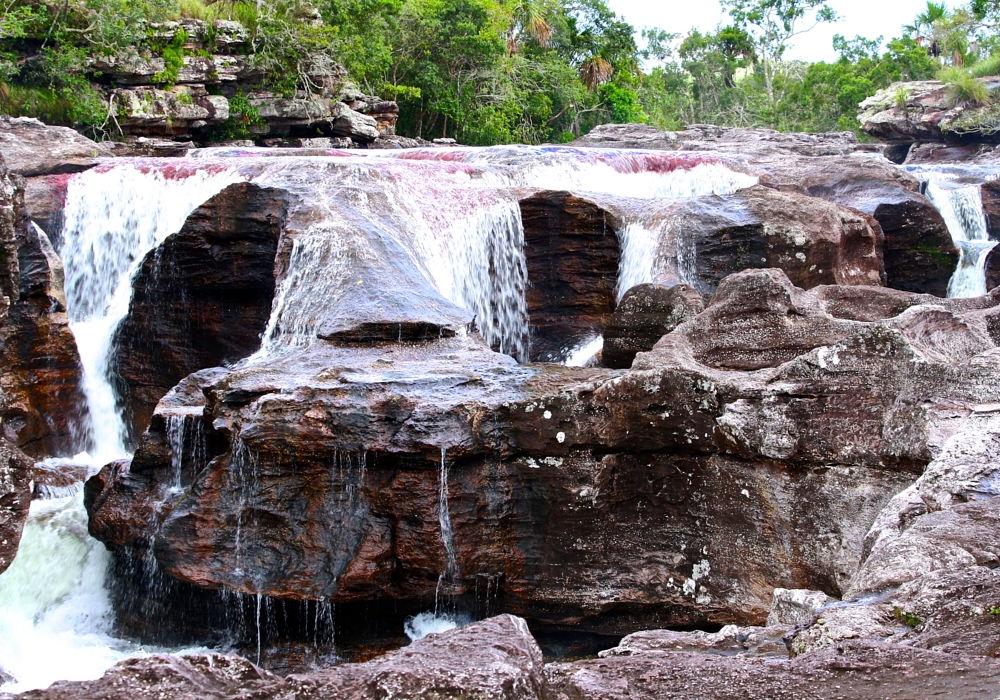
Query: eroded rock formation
(15, 470)
(919, 254)
(750, 449)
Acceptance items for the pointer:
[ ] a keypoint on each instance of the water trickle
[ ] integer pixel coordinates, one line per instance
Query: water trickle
(447, 537)
(585, 353)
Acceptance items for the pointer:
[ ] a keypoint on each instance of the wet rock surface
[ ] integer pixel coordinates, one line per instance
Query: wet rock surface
(751, 448)
(15, 468)
(645, 314)
(919, 255)
(496, 659)
(200, 299)
(571, 251)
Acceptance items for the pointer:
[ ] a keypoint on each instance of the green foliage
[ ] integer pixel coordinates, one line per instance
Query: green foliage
(989, 66)
(994, 611)
(622, 103)
(962, 87)
(244, 118)
(906, 618)
(173, 58)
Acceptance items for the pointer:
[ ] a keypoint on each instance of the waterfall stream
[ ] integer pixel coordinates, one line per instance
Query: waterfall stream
(957, 195)
(454, 212)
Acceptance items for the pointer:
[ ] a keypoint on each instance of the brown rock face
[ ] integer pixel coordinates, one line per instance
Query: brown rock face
(201, 299)
(31, 148)
(724, 464)
(572, 253)
(991, 207)
(646, 313)
(15, 471)
(992, 269)
(919, 254)
(44, 376)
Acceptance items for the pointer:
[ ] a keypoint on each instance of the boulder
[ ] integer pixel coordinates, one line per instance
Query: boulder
(354, 125)
(645, 314)
(729, 641)
(201, 299)
(796, 607)
(31, 148)
(496, 659)
(923, 111)
(855, 670)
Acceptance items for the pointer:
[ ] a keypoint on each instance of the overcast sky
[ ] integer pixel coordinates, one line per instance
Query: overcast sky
(869, 18)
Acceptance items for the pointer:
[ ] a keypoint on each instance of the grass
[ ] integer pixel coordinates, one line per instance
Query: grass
(243, 12)
(988, 66)
(963, 88)
(994, 611)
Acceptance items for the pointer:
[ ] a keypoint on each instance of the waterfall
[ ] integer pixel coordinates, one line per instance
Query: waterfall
(55, 614)
(962, 211)
(114, 215)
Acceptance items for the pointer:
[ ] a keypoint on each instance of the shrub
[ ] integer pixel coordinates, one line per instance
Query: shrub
(963, 88)
(908, 619)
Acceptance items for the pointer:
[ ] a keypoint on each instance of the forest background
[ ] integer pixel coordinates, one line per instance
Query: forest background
(510, 71)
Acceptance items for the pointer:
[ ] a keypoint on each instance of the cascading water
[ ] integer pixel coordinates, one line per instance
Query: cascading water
(453, 212)
(962, 210)
(114, 215)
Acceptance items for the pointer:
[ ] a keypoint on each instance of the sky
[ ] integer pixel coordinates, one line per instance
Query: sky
(869, 18)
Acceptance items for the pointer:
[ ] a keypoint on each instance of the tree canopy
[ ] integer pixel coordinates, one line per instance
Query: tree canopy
(500, 71)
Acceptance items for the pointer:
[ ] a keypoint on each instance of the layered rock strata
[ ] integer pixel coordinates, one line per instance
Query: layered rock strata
(919, 254)
(750, 449)
(15, 468)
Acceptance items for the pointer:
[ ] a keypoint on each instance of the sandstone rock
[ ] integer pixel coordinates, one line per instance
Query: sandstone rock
(854, 670)
(202, 676)
(496, 659)
(15, 468)
(128, 68)
(921, 111)
(919, 253)
(43, 376)
(230, 35)
(803, 448)
(645, 314)
(571, 251)
(836, 624)
(796, 607)
(990, 192)
(55, 478)
(150, 111)
(201, 299)
(730, 641)
(346, 122)
(992, 269)
(31, 148)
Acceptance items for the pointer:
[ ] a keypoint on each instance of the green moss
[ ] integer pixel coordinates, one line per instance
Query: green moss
(173, 56)
(940, 258)
(994, 611)
(243, 118)
(908, 619)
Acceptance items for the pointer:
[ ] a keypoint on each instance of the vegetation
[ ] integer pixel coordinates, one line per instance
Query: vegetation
(492, 71)
(908, 619)
(994, 611)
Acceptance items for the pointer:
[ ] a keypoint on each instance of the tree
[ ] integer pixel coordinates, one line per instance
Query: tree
(773, 24)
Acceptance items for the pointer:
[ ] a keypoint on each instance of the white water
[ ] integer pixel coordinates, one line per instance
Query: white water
(461, 226)
(113, 217)
(55, 621)
(962, 210)
(419, 626)
(587, 351)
